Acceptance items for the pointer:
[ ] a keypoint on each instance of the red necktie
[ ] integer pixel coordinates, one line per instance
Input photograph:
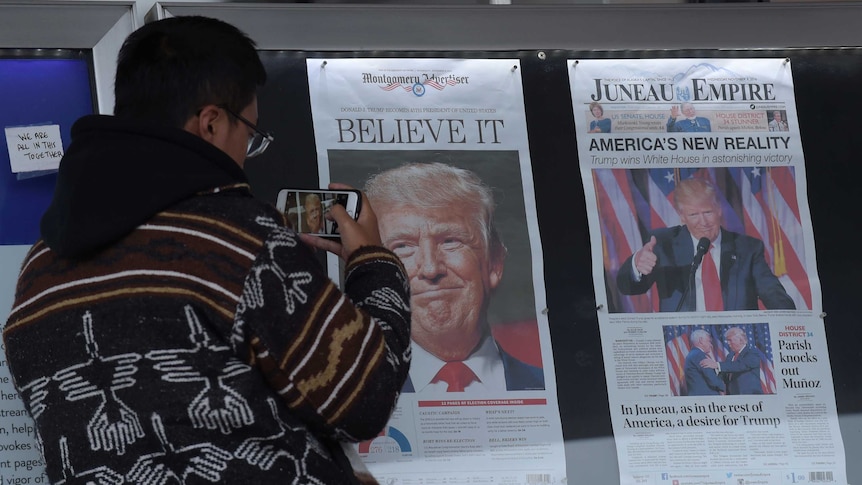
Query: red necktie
(711, 285)
(457, 375)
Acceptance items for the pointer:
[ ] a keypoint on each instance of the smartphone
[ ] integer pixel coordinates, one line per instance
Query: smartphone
(305, 209)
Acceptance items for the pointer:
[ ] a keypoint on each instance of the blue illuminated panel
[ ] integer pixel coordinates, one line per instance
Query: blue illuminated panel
(37, 90)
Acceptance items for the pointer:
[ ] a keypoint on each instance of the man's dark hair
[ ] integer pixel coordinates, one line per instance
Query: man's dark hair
(169, 69)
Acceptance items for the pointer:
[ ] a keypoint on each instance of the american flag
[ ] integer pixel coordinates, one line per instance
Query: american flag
(439, 86)
(757, 201)
(677, 346)
(430, 82)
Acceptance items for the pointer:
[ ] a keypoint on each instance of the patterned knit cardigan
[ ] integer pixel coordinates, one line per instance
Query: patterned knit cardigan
(207, 346)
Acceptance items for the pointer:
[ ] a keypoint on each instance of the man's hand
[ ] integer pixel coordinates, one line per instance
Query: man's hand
(645, 258)
(709, 363)
(354, 234)
(674, 111)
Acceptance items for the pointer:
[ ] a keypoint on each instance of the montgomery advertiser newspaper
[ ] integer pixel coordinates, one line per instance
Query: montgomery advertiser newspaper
(704, 265)
(440, 148)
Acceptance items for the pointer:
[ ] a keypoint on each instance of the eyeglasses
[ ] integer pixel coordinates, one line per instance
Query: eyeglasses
(257, 142)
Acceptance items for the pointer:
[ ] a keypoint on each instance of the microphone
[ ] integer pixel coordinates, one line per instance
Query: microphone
(702, 248)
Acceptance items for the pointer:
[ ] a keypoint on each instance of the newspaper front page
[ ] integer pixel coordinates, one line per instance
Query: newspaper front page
(440, 146)
(704, 262)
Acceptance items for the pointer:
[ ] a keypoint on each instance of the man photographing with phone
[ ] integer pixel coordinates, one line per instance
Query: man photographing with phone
(306, 209)
(699, 265)
(168, 326)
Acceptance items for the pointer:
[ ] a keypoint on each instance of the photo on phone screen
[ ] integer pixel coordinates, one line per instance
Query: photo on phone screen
(305, 209)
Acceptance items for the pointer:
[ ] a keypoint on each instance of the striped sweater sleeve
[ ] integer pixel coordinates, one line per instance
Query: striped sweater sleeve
(337, 359)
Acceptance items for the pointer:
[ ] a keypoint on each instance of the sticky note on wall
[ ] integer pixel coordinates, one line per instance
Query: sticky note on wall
(34, 148)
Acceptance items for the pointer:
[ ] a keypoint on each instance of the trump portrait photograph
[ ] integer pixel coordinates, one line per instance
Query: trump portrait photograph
(457, 220)
(702, 239)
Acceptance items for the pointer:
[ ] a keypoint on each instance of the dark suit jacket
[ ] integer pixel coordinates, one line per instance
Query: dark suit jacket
(520, 376)
(743, 374)
(700, 124)
(700, 381)
(745, 276)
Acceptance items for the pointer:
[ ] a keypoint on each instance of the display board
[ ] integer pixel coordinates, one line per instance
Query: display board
(815, 39)
(561, 208)
(825, 73)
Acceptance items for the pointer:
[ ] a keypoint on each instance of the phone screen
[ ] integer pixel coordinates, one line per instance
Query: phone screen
(306, 209)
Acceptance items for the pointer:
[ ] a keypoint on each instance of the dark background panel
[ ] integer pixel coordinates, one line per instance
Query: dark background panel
(828, 104)
(562, 214)
(828, 101)
(285, 110)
